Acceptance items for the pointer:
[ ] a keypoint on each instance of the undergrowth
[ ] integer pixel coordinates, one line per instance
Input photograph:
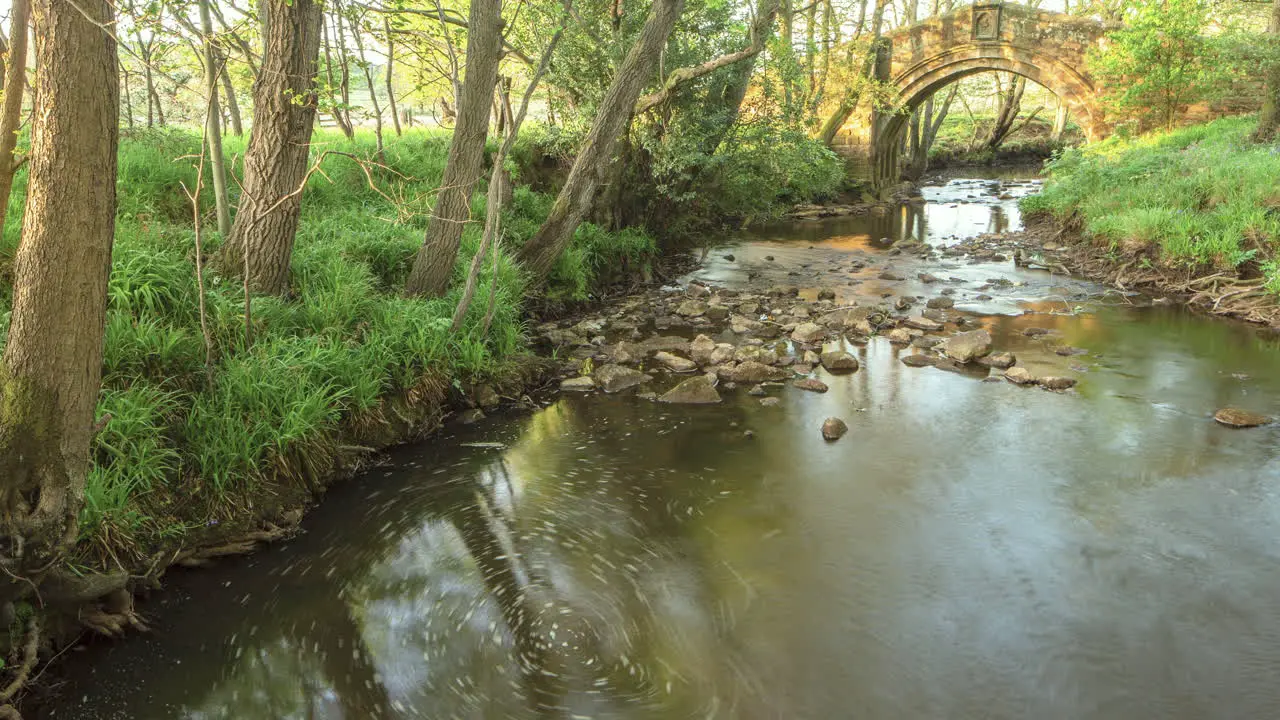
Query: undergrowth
(1201, 197)
(195, 431)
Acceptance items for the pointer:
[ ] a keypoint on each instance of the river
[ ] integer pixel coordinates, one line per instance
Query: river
(969, 550)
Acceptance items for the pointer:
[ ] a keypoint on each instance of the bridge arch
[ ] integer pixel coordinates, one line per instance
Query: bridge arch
(1045, 47)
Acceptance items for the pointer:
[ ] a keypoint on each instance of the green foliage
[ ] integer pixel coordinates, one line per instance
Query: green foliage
(1159, 62)
(133, 454)
(1201, 195)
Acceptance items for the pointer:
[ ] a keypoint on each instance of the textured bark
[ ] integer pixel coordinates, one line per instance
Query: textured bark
(52, 365)
(15, 81)
(213, 122)
(433, 266)
(542, 250)
(1269, 118)
(275, 163)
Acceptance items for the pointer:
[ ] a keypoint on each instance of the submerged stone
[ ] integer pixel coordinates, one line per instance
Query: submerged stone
(1237, 418)
(700, 390)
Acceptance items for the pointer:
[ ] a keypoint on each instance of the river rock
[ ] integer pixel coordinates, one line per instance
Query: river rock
(697, 290)
(811, 384)
(941, 303)
(966, 347)
(722, 354)
(926, 342)
(890, 276)
(833, 428)
(923, 323)
(809, 333)
(700, 390)
(625, 352)
(616, 378)
(1057, 382)
(919, 360)
(470, 417)
(486, 397)
(1237, 418)
(1019, 376)
(838, 361)
(770, 402)
(1068, 351)
(675, 363)
(999, 360)
(701, 349)
(826, 294)
(665, 343)
(692, 308)
(1036, 331)
(899, 336)
(928, 278)
(578, 384)
(717, 313)
(756, 391)
(563, 338)
(754, 372)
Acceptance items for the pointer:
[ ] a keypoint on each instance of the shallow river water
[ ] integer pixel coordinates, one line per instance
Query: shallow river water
(969, 550)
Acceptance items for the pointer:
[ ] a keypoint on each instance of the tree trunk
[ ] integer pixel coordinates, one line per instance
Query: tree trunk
(213, 122)
(373, 91)
(542, 250)
(335, 107)
(128, 101)
(15, 81)
(1060, 121)
(391, 61)
(52, 364)
(229, 92)
(433, 266)
(735, 88)
(275, 163)
(344, 64)
(1269, 118)
(842, 111)
(1007, 111)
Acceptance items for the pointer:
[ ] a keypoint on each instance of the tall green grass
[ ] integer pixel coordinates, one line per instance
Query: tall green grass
(1202, 196)
(318, 361)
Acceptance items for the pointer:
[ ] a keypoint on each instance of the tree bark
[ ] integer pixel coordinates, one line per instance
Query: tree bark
(275, 163)
(1060, 121)
(52, 364)
(391, 61)
(15, 81)
(1269, 118)
(433, 266)
(542, 250)
(213, 122)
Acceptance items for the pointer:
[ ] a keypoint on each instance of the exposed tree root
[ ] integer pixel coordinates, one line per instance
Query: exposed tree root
(197, 557)
(29, 654)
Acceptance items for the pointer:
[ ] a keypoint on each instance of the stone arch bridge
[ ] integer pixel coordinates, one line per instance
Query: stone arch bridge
(1046, 47)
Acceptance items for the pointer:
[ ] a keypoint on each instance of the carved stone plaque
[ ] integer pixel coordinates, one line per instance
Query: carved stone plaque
(986, 21)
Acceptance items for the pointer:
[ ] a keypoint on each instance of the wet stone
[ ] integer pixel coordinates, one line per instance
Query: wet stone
(838, 361)
(919, 360)
(967, 346)
(1237, 418)
(811, 384)
(941, 303)
(616, 378)
(1057, 383)
(700, 390)
(833, 428)
(578, 384)
(675, 363)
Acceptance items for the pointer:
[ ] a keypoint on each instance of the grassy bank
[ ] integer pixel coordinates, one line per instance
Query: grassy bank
(198, 441)
(1191, 203)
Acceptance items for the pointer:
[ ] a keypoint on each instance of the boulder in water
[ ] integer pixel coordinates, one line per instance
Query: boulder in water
(966, 347)
(616, 378)
(675, 363)
(838, 361)
(833, 428)
(700, 390)
(1237, 418)
(811, 384)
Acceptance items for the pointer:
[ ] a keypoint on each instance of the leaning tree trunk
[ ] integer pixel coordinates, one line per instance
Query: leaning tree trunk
(1007, 113)
(542, 250)
(229, 92)
(1060, 121)
(391, 62)
(433, 267)
(213, 121)
(1269, 119)
(15, 80)
(52, 365)
(275, 163)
